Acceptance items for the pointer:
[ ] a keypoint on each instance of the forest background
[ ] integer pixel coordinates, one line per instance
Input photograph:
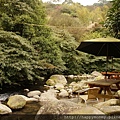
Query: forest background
(40, 39)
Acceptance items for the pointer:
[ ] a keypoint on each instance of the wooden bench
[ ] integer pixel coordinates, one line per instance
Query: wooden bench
(92, 94)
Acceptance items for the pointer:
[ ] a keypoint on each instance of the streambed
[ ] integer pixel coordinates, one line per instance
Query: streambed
(27, 113)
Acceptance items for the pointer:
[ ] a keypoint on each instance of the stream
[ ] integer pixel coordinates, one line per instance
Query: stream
(28, 112)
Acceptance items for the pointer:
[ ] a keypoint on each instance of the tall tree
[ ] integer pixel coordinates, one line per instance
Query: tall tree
(113, 19)
(26, 18)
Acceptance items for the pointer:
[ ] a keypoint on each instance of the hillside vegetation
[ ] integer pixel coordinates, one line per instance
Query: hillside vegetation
(40, 39)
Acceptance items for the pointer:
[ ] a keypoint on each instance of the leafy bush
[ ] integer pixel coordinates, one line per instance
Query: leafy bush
(19, 61)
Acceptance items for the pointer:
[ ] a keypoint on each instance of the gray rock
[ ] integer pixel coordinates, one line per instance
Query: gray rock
(110, 102)
(76, 86)
(66, 107)
(4, 109)
(57, 107)
(47, 96)
(59, 86)
(108, 107)
(33, 93)
(96, 74)
(63, 93)
(36, 97)
(27, 99)
(86, 110)
(16, 102)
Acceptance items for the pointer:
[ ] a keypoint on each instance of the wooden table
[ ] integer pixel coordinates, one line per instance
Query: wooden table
(105, 86)
(111, 75)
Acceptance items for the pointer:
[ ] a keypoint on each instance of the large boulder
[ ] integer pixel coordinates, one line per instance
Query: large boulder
(16, 102)
(4, 109)
(54, 79)
(64, 107)
(57, 107)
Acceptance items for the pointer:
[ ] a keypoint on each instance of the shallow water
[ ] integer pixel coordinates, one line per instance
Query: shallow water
(27, 113)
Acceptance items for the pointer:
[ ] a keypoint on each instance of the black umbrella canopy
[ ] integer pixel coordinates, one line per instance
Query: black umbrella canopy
(101, 47)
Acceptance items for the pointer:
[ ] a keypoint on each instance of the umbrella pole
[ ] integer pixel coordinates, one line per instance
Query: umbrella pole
(106, 63)
(112, 64)
(106, 72)
(106, 67)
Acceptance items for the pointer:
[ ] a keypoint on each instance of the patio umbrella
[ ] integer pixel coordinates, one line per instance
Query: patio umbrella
(109, 47)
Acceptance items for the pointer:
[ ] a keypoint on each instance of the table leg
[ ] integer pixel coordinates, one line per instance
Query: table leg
(109, 91)
(101, 89)
(118, 86)
(104, 92)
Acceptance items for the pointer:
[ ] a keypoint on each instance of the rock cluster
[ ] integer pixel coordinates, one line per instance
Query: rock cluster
(19, 101)
(53, 99)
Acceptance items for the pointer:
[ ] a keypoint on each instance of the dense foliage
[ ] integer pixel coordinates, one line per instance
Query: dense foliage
(35, 43)
(113, 19)
(19, 61)
(25, 18)
(30, 55)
